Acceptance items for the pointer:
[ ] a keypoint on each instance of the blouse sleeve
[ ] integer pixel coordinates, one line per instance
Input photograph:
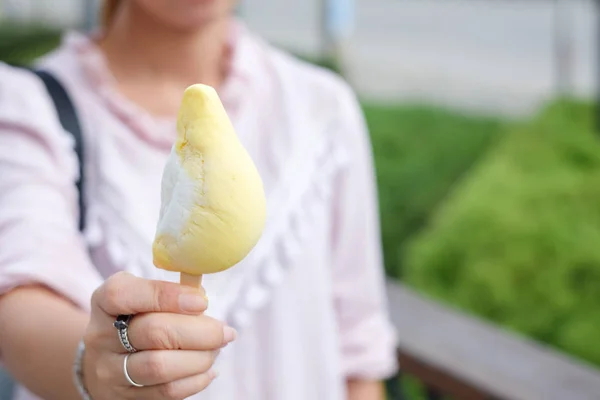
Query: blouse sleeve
(39, 238)
(367, 336)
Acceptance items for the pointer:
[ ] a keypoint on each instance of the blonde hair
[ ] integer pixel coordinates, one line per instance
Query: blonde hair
(109, 10)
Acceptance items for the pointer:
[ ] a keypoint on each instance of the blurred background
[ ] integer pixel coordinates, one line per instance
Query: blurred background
(482, 117)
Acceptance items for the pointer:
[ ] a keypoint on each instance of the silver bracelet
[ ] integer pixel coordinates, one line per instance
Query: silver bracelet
(78, 372)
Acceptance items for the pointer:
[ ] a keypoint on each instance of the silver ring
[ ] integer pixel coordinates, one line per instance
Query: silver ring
(122, 325)
(127, 373)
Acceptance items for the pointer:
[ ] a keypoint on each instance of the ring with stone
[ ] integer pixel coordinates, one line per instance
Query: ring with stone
(122, 325)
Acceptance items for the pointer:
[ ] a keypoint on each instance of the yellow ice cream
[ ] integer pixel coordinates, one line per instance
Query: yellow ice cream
(212, 200)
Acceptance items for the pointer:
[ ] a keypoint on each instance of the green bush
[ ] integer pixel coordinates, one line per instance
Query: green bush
(518, 242)
(420, 152)
(20, 45)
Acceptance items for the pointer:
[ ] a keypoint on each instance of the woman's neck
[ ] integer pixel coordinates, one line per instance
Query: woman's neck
(139, 49)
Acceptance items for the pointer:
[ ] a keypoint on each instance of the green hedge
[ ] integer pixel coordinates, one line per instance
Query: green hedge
(420, 152)
(22, 44)
(518, 242)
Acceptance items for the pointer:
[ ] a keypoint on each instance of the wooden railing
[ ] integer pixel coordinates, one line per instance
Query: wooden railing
(464, 358)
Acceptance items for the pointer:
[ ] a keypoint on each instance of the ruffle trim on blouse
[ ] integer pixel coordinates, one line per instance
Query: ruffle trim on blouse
(248, 289)
(285, 242)
(98, 74)
(151, 128)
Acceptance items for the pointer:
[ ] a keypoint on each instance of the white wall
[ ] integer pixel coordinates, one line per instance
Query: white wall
(490, 54)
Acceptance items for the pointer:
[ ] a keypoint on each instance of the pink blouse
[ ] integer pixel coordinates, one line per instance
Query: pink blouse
(308, 301)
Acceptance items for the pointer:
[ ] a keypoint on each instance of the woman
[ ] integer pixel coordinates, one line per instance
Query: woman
(308, 303)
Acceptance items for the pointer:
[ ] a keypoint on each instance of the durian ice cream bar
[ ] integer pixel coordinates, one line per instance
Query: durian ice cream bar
(212, 198)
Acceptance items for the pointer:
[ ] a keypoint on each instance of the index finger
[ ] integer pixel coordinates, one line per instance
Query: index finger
(124, 293)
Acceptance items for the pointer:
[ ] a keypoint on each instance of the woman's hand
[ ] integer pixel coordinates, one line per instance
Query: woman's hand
(176, 344)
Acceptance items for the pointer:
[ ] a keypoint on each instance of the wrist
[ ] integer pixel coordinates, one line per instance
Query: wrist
(78, 376)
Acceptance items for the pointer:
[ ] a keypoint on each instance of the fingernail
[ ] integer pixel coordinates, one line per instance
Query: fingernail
(229, 334)
(192, 302)
(212, 374)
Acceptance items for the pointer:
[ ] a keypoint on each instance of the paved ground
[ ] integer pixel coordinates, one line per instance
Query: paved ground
(490, 55)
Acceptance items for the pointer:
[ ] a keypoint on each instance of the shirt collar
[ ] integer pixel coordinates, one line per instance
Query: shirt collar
(242, 61)
(242, 72)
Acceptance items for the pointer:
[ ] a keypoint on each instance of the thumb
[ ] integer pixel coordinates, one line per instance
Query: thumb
(124, 293)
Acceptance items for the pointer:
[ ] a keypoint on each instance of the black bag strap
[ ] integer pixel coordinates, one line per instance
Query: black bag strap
(70, 123)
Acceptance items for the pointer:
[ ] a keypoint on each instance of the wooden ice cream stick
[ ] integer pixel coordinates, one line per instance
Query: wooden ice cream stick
(191, 280)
